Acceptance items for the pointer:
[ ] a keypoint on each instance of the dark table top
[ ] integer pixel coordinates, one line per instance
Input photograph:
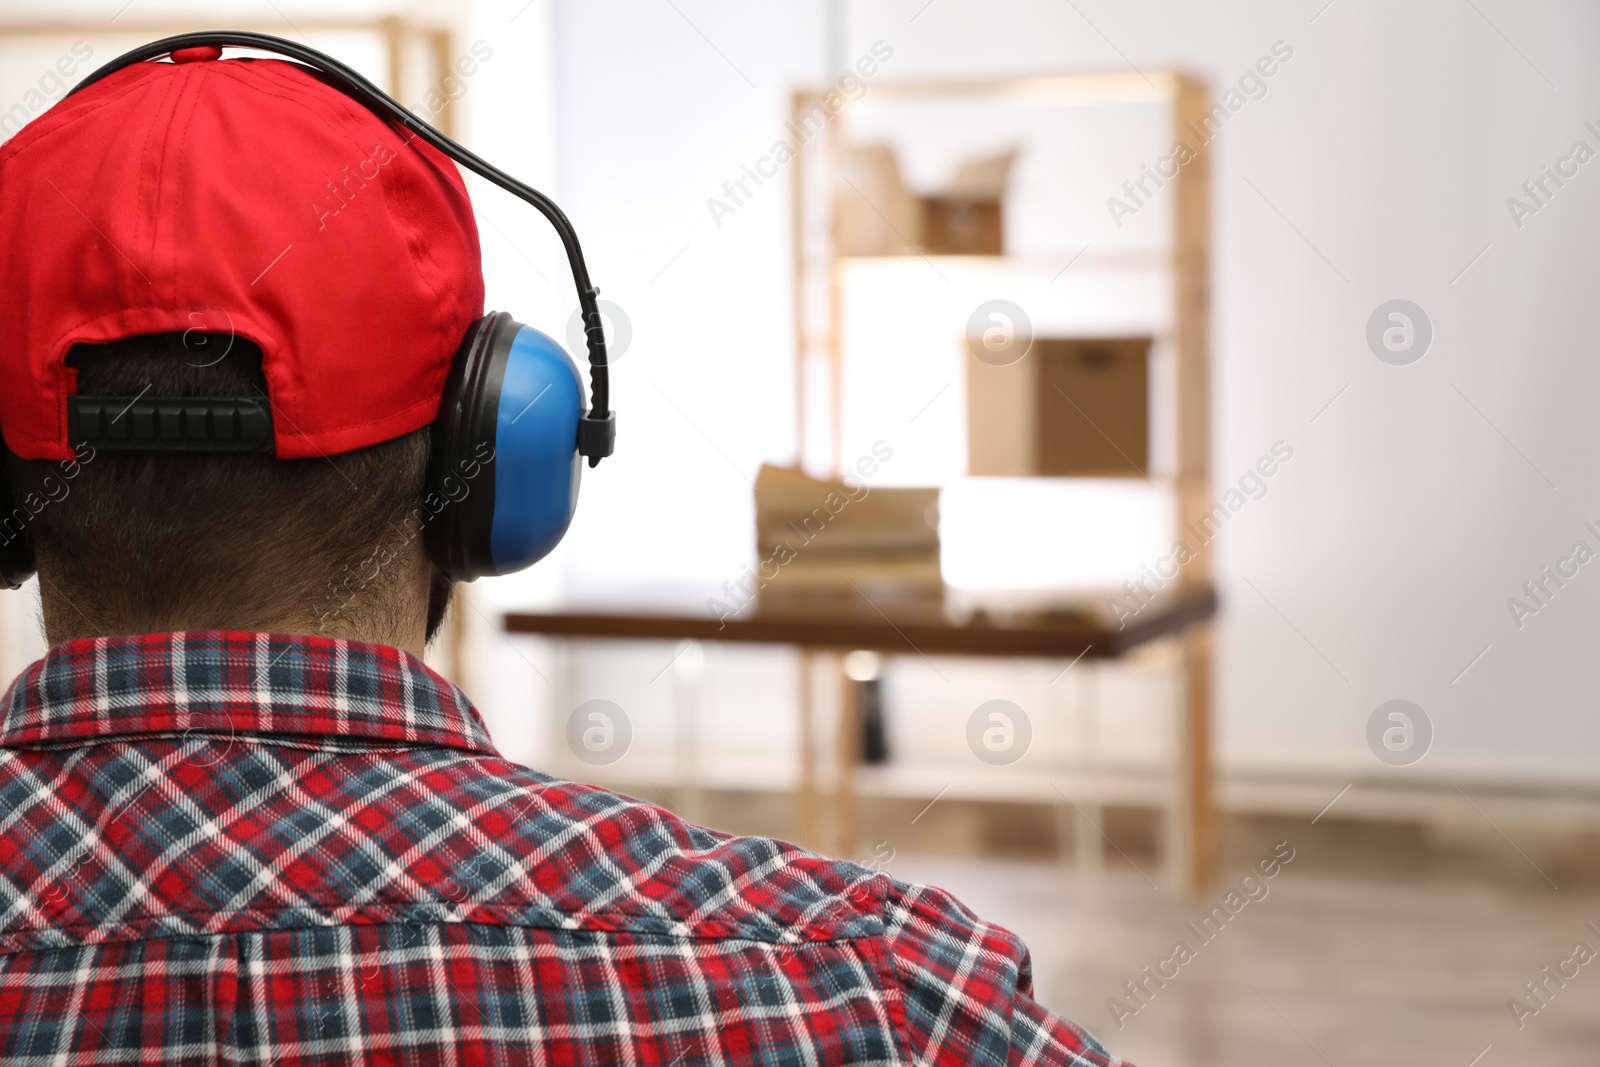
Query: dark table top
(856, 622)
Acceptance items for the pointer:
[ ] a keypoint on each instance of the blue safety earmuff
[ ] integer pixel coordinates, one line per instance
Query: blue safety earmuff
(503, 476)
(511, 433)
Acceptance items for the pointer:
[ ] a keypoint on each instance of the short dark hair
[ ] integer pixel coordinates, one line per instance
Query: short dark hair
(146, 542)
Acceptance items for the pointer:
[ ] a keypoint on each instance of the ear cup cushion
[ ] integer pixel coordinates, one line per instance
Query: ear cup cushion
(16, 541)
(458, 502)
(537, 466)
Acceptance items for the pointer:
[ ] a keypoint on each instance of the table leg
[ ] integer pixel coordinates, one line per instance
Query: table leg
(806, 821)
(1065, 709)
(1197, 799)
(846, 814)
(1192, 833)
(1088, 852)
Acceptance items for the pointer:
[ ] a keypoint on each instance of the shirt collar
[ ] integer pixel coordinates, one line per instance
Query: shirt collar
(220, 681)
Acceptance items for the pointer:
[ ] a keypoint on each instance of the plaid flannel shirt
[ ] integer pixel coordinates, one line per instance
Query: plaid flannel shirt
(247, 848)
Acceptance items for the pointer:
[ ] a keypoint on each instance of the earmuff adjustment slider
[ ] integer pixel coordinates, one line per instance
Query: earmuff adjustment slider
(597, 437)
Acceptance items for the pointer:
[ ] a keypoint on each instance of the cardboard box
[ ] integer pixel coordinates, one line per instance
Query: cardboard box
(966, 217)
(955, 226)
(1071, 407)
(875, 214)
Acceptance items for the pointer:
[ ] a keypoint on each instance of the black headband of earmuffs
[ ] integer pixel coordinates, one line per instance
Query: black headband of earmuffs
(597, 429)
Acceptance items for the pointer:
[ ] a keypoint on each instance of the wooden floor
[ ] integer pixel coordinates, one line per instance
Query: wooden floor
(1350, 970)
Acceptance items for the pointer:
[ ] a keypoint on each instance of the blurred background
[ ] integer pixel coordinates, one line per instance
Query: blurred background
(1131, 464)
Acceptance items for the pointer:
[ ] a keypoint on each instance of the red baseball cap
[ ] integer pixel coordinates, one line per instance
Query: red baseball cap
(240, 196)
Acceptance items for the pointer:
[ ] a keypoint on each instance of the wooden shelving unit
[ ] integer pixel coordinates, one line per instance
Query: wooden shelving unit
(819, 279)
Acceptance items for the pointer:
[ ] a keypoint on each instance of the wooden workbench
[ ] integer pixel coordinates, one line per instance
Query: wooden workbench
(925, 629)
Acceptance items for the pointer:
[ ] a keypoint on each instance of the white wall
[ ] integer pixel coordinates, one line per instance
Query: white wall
(1376, 167)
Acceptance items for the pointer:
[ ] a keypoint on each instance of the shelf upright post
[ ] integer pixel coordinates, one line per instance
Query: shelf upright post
(1191, 333)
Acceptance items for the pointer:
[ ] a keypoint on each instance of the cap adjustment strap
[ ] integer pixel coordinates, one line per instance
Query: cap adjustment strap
(169, 424)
